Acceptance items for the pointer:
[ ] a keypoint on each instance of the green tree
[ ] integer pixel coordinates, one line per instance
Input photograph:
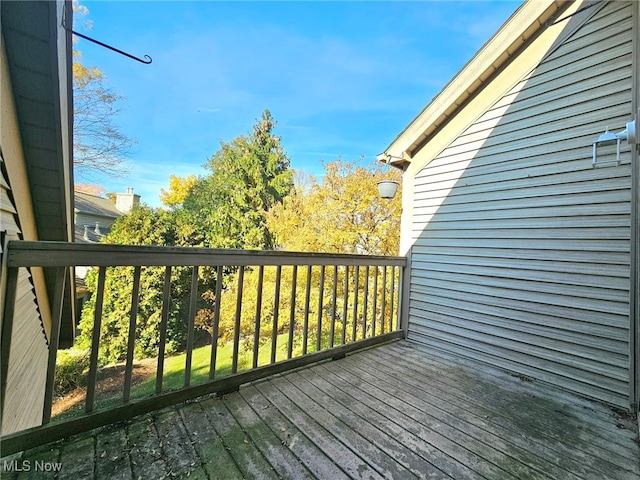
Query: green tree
(143, 226)
(225, 209)
(249, 176)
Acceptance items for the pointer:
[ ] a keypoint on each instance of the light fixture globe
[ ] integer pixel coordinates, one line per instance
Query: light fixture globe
(387, 188)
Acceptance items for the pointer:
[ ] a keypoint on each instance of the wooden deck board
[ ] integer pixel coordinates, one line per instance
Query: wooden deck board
(247, 457)
(145, 452)
(218, 462)
(571, 428)
(283, 461)
(411, 451)
(395, 411)
(372, 445)
(478, 452)
(112, 458)
(512, 455)
(314, 459)
(479, 426)
(595, 417)
(348, 460)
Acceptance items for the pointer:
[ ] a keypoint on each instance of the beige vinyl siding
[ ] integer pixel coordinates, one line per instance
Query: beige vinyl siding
(7, 209)
(29, 348)
(27, 366)
(26, 376)
(521, 250)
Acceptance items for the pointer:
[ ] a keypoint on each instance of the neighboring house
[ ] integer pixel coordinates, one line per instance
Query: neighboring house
(523, 255)
(94, 216)
(35, 190)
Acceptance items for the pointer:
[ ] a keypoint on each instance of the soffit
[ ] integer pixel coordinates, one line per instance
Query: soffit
(42, 91)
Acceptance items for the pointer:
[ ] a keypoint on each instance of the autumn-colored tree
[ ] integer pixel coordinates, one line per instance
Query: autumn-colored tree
(98, 145)
(90, 189)
(342, 214)
(179, 189)
(333, 305)
(249, 176)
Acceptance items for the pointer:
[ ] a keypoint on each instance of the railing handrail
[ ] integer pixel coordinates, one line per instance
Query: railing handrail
(62, 254)
(349, 315)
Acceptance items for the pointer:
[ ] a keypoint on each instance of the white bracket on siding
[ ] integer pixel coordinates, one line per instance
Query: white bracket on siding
(629, 134)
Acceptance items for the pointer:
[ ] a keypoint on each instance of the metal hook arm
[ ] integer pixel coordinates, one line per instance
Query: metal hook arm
(147, 57)
(147, 61)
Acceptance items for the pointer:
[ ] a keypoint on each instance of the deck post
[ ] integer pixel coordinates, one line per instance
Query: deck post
(404, 295)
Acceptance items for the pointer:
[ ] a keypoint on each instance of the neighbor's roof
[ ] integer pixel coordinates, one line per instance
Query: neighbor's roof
(92, 205)
(91, 236)
(521, 28)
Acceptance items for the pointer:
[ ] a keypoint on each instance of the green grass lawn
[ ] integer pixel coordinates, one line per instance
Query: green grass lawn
(174, 366)
(174, 372)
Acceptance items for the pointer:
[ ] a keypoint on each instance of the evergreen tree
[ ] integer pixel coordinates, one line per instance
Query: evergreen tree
(249, 175)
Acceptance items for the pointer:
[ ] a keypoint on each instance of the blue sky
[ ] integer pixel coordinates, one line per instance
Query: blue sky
(340, 78)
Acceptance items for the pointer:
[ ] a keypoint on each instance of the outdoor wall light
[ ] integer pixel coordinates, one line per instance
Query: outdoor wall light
(628, 134)
(387, 188)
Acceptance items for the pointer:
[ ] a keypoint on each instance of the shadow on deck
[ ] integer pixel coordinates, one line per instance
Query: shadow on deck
(394, 411)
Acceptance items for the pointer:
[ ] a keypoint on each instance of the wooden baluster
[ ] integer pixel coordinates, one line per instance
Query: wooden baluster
(193, 309)
(276, 312)
(236, 327)
(216, 324)
(355, 302)
(393, 284)
(56, 318)
(384, 299)
(345, 305)
(365, 307)
(133, 317)
(375, 300)
(320, 299)
(166, 299)
(256, 328)
(334, 297)
(292, 313)
(95, 342)
(307, 298)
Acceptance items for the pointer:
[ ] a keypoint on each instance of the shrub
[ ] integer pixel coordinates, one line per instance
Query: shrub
(71, 366)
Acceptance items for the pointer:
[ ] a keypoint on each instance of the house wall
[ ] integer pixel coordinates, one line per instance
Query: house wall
(29, 349)
(521, 252)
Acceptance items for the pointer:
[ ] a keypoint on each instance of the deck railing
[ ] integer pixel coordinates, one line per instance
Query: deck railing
(275, 310)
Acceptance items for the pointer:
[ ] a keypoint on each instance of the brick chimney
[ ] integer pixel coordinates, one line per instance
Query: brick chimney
(126, 201)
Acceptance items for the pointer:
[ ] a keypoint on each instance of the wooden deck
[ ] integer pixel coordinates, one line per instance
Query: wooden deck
(394, 411)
